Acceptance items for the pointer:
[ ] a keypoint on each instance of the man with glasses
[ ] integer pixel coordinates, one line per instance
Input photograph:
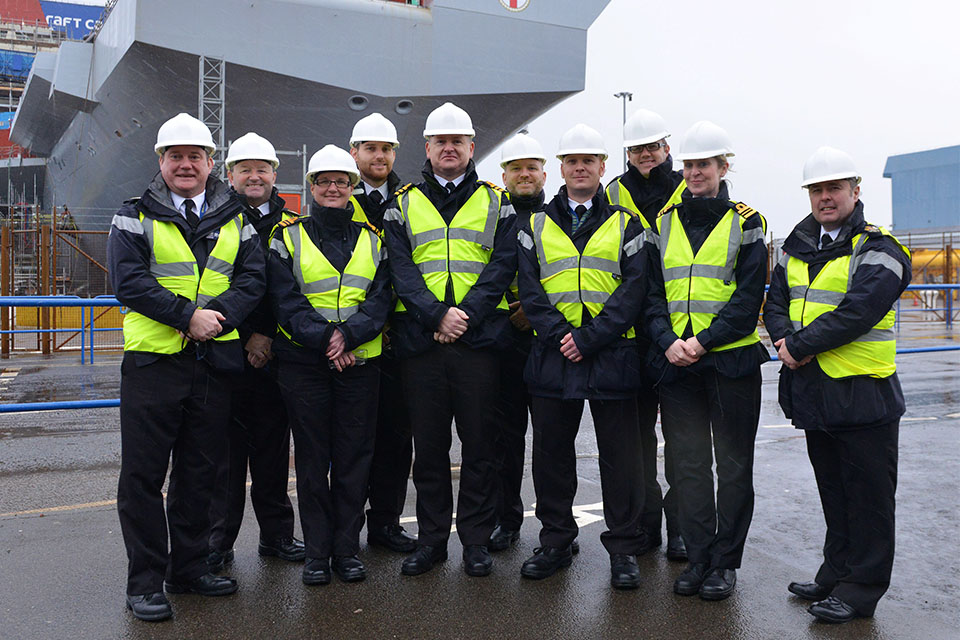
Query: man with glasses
(373, 144)
(452, 245)
(649, 185)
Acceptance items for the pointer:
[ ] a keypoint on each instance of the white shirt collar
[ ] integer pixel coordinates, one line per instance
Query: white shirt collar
(198, 201)
(833, 235)
(264, 208)
(369, 188)
(456, 181)
(574, 204)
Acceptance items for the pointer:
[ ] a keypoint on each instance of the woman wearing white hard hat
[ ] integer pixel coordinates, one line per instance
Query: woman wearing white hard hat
(708, 264)
(329, 287)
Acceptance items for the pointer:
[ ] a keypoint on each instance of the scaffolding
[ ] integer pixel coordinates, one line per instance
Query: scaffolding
(211, 106)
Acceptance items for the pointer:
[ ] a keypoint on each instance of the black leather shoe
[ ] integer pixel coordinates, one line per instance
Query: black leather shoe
(688, 583)
(545, 562)
(393, 537)
(624, 572)
(422, 560)
(648, 542)
(477, 561)
(216, 559)
(152, 607)
(316, 571)
(575, 547)
(833, 610)
(809, 590)
(289, 549)
(676, 549)
(718, 584)
(206, 585)
(502, 538)
(349, 568)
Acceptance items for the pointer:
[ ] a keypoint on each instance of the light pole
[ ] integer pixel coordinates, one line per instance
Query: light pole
(625, 96)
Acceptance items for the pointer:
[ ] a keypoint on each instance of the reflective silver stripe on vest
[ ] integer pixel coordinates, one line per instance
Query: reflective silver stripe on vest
(247, 232)
(405, 219)
(427, 236)
(634, 245)
(493, 214)
(525, 240)
(132, 225)
(277, 245)
(797, 324)
(695, 306)
(569, 297)
(506, 210)
(855, 258)
(881, 259)
(752, 235)
(600, 297)
(733, 247)
(167, 269)
(695, 271)
(346, 312)
(393, 215)
(552, 269)
(319, 286)
(330, 315)
(822, 296)
(878, 335)
(220, 266)
(203, 299)
(600, 264)
(798, 291)
(466, 266)
(355, 281)
(432, 266)
(294, 234)
(614, 197)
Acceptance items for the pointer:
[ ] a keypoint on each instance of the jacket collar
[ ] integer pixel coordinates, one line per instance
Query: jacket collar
(805, 238)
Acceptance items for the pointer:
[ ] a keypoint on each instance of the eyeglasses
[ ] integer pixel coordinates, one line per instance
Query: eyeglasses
(341, 183)
(651, 147)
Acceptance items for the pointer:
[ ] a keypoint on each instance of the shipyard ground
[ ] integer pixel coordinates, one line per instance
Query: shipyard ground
(63, 567)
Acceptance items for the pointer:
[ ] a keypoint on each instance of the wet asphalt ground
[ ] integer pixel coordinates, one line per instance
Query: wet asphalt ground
(63, 566)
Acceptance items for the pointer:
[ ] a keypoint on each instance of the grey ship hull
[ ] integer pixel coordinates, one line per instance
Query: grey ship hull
(99, 135)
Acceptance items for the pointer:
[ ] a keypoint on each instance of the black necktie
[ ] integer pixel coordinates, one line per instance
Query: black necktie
(376, 197)
(192, 218)
(825, 241)
(580, 211)
(450, 187)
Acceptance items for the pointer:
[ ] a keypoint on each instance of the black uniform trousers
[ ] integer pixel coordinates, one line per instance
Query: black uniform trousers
(856, 473)
(656, 503)
(511, 440)
(692, 409)
(333, 419)
(446, 382)
(259, 435)
(392, 450)
(555, 426)
(176, 405)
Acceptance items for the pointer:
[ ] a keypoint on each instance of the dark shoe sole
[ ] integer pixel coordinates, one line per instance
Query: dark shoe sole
(541, 575)
(713, 596)
(179, 588)
(691, 590)
(830, 619)
(625, 584)
(807, 596)
(479, 572)
(156, 617)
(315, 580)
(420, 571)
(265, 551)
(351, 578)
(677, 557)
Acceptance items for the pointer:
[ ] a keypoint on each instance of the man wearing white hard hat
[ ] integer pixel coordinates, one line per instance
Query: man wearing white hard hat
(258, 434)
(522, 160)
(373, 144)
(581, 275)
(830, 314)
(708, 271)
(650, 184)
(189, 267)
(452, 242)
(329, 286)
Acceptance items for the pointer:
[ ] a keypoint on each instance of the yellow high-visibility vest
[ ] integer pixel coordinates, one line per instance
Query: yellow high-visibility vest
(174, 266)
(872, 354)
(619, 195)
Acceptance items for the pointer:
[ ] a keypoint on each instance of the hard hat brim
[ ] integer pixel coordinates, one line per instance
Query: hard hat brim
(585, 152)
(355, 141)
(354, 177)
(505, 161)
(448, 132)
(843, 175)
(274, 162)
(705, 155)
(160, 148)
(647, 140)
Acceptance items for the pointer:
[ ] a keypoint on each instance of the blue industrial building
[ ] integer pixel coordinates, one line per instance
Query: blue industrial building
(925, 189)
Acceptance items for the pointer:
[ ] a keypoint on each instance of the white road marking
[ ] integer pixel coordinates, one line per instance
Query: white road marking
(918, 419)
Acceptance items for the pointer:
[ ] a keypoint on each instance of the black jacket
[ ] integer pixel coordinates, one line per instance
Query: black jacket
(611, 364)
(650, 194)
(488, 327)
(375, 212)
(738, 318)
(810, 398)
(128, 258)
(335, 234)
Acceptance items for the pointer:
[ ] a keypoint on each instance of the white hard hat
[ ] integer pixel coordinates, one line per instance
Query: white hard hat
(375, 128)
(250, 146)
(519, 147)
(333, 158)
(184, 129)
(705, 140)
(582, 139)
(448, 119)
(826, 164)
(644, 127)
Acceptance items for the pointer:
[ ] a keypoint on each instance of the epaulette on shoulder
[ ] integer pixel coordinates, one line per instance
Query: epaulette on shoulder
(617, 207)
(744, 210)
(369, 225)
(492, 186)
(403, 189)
(289, 222)
(667, 210)
(289, 213)
(133, 200)
(872, 230)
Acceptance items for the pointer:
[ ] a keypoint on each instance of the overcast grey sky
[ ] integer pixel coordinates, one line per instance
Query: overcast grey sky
(874, 78)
